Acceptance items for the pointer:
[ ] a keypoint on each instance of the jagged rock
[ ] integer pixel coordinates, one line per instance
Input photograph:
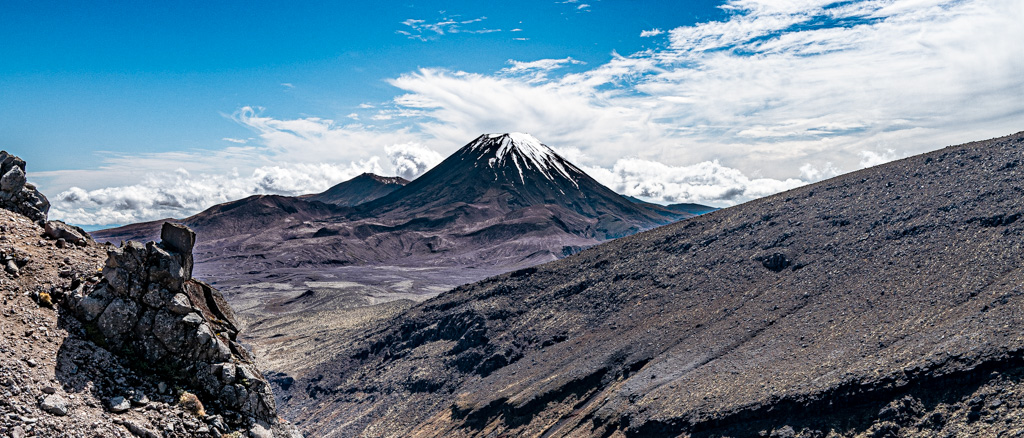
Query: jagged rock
(55, 405)
(180, 305)
(178, 238)
(140, 399)
(775, 262)
(11, 267)
(16, 194)
(90, 307)
(140, 431)
(149, 307)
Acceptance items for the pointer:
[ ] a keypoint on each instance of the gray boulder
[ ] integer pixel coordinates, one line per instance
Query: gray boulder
(16, 194)
(55, 405)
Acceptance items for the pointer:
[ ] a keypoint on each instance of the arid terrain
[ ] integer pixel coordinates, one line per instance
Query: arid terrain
(884, 302)
(305, 274)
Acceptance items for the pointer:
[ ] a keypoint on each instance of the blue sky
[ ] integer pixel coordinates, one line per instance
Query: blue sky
(129, 111)
(80, 77)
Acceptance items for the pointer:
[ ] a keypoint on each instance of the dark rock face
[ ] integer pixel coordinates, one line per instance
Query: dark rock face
(149, 308)
(885, 302)
(16, 194)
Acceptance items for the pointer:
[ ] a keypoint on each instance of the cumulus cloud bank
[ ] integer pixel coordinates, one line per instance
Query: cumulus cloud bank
(180, 194)
(409, 160)
(776, 95)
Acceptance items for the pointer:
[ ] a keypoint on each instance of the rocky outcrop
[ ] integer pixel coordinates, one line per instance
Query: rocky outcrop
(149, 309)
(16, 193)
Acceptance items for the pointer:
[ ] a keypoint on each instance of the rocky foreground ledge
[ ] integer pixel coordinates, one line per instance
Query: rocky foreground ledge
(148, 308)
(100, 341)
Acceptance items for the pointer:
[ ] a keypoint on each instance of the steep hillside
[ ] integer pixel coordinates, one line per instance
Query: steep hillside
(885, 302)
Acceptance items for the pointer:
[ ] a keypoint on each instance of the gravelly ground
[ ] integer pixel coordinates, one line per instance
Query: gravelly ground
(53, 383)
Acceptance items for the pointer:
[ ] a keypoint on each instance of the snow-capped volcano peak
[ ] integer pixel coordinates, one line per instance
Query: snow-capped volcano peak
(522, 150)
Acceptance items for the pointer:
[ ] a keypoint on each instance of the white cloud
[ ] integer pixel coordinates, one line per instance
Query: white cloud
(181, 193)
(425, 31)
(234, 140)
(540, 64)
(705, 182)
(651, 33)
(872, 158)
(409, 160)
(774, 86)
(538, 70)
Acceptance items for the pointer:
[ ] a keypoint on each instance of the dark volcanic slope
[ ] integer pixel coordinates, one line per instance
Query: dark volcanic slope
(885, 301)
(363, 188)
(231, 219)
(500, 173)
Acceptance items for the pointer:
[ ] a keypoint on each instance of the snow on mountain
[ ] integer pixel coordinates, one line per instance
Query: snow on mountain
(522, 150)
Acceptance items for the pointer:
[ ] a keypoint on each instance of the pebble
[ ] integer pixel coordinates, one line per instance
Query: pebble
(140, 399)
(119, 404)
(55, 405)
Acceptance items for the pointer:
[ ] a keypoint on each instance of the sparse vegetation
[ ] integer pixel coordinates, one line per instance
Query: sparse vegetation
(45, 300)
(191, 403)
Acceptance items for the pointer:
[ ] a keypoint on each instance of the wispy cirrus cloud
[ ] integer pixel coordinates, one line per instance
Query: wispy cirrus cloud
(538, 70)
(425, 30)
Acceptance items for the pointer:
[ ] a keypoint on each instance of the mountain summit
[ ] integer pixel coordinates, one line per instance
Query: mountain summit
(522, 150)
(498, 174)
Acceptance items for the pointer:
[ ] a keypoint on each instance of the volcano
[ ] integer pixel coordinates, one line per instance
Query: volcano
(498, 174)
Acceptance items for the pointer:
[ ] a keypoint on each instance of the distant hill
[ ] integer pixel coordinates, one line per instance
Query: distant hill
(884, 302)
(363, 188)
(695, 209)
